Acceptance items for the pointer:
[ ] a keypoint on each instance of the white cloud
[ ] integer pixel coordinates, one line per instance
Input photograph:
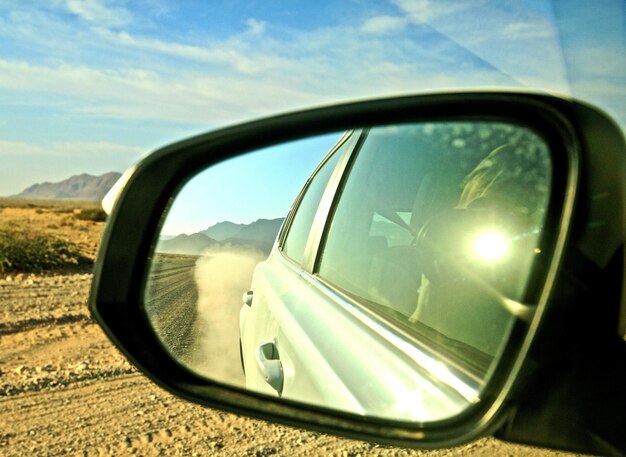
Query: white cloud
(218, 53)
(380, 25)
(39, 30)
(255, 27)
(19, 148)
(601, 61)
(67, 149)
(147, 95)
(254, 73)
(244, 75)
(99, 12)
(196, 98)
(524, 29)
(511, 38)
(425, 11)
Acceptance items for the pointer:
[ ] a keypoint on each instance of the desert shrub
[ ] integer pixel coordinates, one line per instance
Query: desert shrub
(28, 251)
(91, 214)
(67, 222)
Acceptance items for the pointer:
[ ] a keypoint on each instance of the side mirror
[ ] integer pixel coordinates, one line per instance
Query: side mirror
(413, 270)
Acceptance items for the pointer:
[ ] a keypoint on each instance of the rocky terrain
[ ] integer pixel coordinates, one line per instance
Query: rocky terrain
(65, 390)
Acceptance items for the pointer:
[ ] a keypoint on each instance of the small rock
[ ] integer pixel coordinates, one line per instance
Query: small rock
(82, 366)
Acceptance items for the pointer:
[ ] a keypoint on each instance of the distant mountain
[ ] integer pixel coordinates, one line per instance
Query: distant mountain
(79, 187)
(260, 230)
(186, 244)
(259, 235)
(223, 230)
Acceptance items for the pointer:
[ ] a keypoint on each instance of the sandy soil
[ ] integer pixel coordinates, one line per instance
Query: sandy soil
(65, 390)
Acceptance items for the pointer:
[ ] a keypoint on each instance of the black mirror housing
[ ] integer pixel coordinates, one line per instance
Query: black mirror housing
(562, 385)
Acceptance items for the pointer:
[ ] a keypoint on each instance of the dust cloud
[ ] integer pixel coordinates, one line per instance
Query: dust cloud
(222, 276)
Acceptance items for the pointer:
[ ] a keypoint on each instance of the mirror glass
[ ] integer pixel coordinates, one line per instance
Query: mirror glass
(378, 271)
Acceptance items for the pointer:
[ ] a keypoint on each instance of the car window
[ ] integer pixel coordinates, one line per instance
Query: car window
(394, 231)
(412, 194)
(296, 240)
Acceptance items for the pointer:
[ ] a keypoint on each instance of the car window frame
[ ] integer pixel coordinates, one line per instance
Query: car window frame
(353, 140)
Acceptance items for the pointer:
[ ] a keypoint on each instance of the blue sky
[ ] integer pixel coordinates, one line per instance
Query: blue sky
(90, 86)
(262, 184)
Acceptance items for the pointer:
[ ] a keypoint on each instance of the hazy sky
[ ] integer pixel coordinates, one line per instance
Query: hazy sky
(261, 184)
(90, 86)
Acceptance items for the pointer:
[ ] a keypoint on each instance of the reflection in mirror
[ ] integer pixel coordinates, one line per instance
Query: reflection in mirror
(222, 223)
(401, 267)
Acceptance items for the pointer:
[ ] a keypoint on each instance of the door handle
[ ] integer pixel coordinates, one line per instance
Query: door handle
(247, 298)
(268, 361)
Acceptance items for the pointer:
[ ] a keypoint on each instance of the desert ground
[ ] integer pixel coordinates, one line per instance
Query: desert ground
(66, 390)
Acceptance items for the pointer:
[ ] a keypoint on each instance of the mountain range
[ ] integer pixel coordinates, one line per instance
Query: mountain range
(79, 187)
(259, 235)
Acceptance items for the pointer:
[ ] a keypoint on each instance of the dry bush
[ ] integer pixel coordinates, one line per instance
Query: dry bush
(67, 221)
(65, 206)
(91, 214)
(25, 250)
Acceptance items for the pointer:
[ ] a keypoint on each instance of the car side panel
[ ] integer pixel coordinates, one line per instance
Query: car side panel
(329, 357)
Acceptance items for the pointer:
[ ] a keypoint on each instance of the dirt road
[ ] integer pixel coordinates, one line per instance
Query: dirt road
(196, 317)
(170, 301)
(65, 390)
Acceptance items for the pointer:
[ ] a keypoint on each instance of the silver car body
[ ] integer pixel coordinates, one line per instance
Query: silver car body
(337, 354)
